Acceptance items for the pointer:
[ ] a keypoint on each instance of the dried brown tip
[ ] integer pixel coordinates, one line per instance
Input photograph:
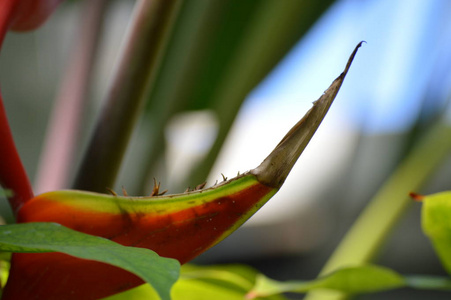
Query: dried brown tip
(200, 186)
(416, 197)
(124, 192)
(111, 191)
(156, 189)
(275, 168)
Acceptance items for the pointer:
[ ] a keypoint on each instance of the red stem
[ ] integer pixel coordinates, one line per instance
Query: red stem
(12, 172)
(6, 17)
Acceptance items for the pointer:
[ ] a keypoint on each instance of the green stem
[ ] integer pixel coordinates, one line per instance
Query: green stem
(374, 225)
(138, 64)
(186, 53)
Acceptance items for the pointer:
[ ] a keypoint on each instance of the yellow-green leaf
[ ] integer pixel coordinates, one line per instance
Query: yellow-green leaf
(436, 224)
(351, 280)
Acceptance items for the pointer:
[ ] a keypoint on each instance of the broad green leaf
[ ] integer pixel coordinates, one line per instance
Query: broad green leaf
(160, 272)
(239, 277)
(227, 282)
(351, 280)
(436, 223)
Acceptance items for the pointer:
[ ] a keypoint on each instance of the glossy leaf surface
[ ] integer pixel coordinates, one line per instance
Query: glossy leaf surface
(39, 238)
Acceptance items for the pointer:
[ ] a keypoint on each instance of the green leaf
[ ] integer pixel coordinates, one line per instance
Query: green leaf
(436, 224)
(144, 291)
(239, 277)
(160, 272)
(228, 282)
(6, 193)
(351, 280)
(243, 282)
(137, 66)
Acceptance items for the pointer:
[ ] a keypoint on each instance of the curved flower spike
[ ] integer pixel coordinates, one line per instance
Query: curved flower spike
(179, 226)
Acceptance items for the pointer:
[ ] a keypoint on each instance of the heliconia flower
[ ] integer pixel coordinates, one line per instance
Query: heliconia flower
(179, 226)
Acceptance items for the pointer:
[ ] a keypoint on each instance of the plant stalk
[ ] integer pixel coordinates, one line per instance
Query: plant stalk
(12, 172)
(65, 122)
(138, 64)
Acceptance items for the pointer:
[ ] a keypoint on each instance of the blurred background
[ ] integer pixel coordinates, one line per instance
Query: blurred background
(236, 77)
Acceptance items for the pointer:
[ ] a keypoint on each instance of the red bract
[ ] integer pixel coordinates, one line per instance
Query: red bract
(24, 15)
(12, 172)
(176, 226)
(30, 14)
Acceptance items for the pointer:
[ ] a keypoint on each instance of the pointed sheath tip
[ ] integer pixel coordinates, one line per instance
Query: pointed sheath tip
(351, 58)
(275, 168)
